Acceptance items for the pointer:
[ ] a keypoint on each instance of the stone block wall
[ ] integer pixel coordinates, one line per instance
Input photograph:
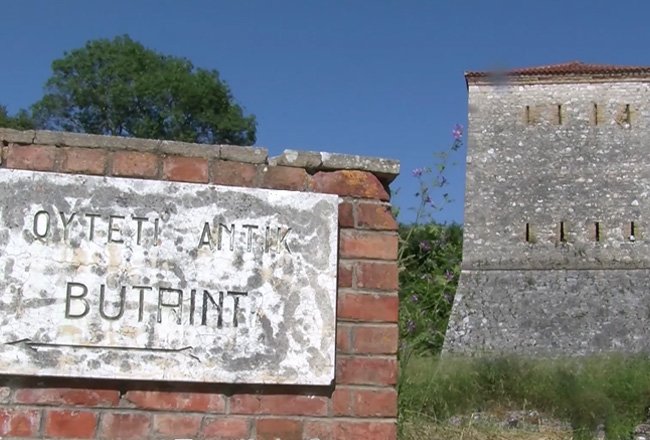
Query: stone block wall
(555, 247)
(361, 403)
(551, 174)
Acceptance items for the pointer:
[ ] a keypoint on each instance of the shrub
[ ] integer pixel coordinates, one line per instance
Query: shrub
(430, 257)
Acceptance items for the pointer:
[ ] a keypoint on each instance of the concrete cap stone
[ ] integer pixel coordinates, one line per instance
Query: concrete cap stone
(300, 159)
(188, 149)
(65, 139)
(244, 154)
(385, 169)
(10, 135)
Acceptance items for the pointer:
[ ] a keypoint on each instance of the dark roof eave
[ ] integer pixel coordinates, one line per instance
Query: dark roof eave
(474, 79)
(564, 71)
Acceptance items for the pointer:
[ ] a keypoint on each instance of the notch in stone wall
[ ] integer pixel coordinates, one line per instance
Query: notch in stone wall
(624, 116)
(556, 113)
(583, 232)
(562, 233)
(529, 234)
(531, 115)
(595, 115)
(632, 232)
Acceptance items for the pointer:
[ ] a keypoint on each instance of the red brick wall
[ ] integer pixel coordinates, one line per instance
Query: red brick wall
(361, 404)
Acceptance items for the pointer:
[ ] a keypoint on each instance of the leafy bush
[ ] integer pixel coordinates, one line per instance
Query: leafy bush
(430, 257)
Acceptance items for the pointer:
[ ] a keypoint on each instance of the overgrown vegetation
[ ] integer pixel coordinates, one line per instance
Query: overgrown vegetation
(430, 259)
(612, 392)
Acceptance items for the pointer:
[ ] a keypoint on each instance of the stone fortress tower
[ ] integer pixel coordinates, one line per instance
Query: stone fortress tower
(556, 252)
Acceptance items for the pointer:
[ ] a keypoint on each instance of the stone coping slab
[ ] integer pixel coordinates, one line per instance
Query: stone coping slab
(385, 169)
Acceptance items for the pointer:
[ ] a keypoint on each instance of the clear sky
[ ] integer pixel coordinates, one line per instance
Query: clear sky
(370, 77)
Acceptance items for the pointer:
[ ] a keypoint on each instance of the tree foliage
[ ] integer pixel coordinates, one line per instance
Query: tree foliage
(119, 87)
(21, 121)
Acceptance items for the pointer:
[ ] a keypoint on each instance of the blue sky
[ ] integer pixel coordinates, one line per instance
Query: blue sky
(370, 77)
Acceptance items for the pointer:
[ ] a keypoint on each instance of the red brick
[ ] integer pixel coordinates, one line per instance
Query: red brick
(289, 178)
(70, 424)
(366, 370)
(135, 164)
(360, 402)
(348, 430)
(346, 215)
(186, 169)
(67, 396)
(369, 339)
(293, 405)
(272, 429)
(19, 422)
(361, 307)
(234, 173)
(343, 338)
(225, 429)
(376, 216)
(380, 276)
(85, 160)
(125, 426)
(349, 183)
(375, 403)
(319, 429)
(177, 425)
(345, 275)
(214, 403)
(342, 402)
(31, 157)
(355, 244)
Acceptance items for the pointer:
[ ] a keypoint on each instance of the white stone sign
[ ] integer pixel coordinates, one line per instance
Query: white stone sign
(139, 279)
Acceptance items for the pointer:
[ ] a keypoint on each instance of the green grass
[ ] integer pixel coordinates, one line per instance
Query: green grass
(613, 391)
(422, 430)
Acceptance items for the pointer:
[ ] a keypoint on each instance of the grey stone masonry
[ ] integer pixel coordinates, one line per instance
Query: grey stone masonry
(556, 250)
(385, 169)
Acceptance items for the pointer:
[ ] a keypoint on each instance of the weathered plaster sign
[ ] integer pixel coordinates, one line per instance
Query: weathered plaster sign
(139, 279)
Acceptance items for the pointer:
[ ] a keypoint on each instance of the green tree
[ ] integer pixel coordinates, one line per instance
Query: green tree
(119, 87)
(21, 121)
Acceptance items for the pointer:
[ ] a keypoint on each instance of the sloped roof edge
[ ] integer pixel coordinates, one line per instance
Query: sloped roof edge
(572, 68)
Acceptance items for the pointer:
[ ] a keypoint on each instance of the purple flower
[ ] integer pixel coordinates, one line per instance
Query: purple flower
(417, 172)
(457, 132)
(449, 275)
(414, 298)
(425, 246)
(410, 326)
(442, 180)
(428, 201)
